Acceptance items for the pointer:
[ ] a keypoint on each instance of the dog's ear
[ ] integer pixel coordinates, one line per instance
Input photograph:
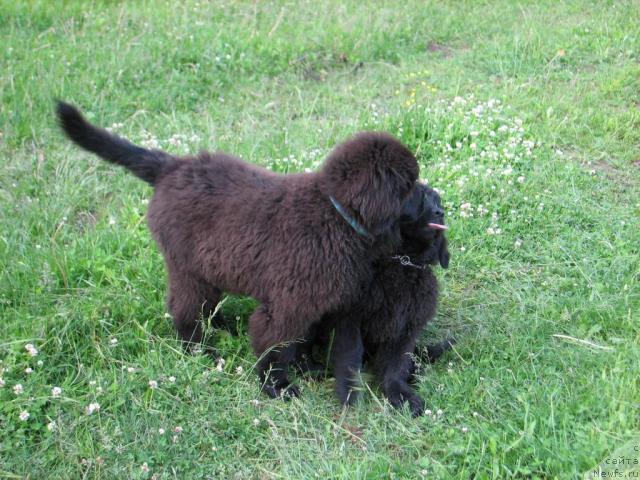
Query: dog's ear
(371, 175)
(443, 253)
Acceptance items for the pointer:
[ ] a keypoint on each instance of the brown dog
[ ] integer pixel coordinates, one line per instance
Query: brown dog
(301, 244)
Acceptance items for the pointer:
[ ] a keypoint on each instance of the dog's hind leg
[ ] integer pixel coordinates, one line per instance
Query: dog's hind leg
(273, 364)
(189, 301)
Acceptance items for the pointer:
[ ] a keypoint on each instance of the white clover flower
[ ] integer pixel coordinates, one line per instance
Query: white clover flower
(220, 364)
(239, 370)
(464, 429)
(144, 467)
(31, 350)
(178, 429)
(56, 391)
(92, 407)
(428, 412)
(491, 231)
(24, 415)
(439, 412)
(172, 379)
(256, 422)
(520, 179)
(517, 243)
(51, 426)
(17, 389)
(113, 341)
(1, 382)
(131, 369)
(161, 431)
(153, 384)
(28, 370)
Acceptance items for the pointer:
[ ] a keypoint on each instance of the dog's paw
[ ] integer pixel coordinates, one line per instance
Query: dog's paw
(402, 395)
(285, 391)
(291, 391)
(308, 367)
(347, 394)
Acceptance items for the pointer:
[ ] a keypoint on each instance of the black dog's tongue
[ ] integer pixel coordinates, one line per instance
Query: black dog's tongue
(437, 226)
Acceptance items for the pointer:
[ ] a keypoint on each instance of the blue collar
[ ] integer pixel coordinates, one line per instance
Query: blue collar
(350, 220)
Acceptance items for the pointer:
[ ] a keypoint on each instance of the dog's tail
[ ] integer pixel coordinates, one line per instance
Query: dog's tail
(146, 164)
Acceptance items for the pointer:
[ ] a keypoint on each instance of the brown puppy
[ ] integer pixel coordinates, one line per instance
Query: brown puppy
(301, 244)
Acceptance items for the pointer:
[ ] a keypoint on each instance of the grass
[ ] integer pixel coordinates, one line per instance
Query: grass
(542, 294)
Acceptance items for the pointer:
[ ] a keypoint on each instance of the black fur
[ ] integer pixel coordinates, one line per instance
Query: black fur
(385, 323)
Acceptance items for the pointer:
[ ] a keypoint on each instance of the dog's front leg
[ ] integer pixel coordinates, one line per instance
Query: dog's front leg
(348, 351)
(393, 366)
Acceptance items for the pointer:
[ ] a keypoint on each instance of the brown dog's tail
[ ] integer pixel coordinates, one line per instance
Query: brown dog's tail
(145, 164)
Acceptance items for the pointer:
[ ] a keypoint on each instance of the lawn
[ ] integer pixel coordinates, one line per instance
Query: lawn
(525, 116)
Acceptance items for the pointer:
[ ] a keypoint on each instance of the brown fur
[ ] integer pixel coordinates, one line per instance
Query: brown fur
(225, 225)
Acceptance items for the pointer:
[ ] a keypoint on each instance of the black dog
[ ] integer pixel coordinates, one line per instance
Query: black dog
(385, 323)
(224, 225)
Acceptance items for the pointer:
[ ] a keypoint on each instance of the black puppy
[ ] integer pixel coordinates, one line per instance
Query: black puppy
(384, 324)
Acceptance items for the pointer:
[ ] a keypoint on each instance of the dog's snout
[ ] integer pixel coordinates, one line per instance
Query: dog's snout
(439, 212)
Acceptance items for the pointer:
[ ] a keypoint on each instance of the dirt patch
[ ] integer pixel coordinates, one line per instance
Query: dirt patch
(317, 65)
(440, 48)
(619, 176)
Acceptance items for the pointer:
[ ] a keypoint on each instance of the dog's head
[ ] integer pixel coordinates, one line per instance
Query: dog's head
(422, 225)
(371, 175)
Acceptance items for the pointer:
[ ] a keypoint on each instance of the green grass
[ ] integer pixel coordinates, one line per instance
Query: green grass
(544, 380)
